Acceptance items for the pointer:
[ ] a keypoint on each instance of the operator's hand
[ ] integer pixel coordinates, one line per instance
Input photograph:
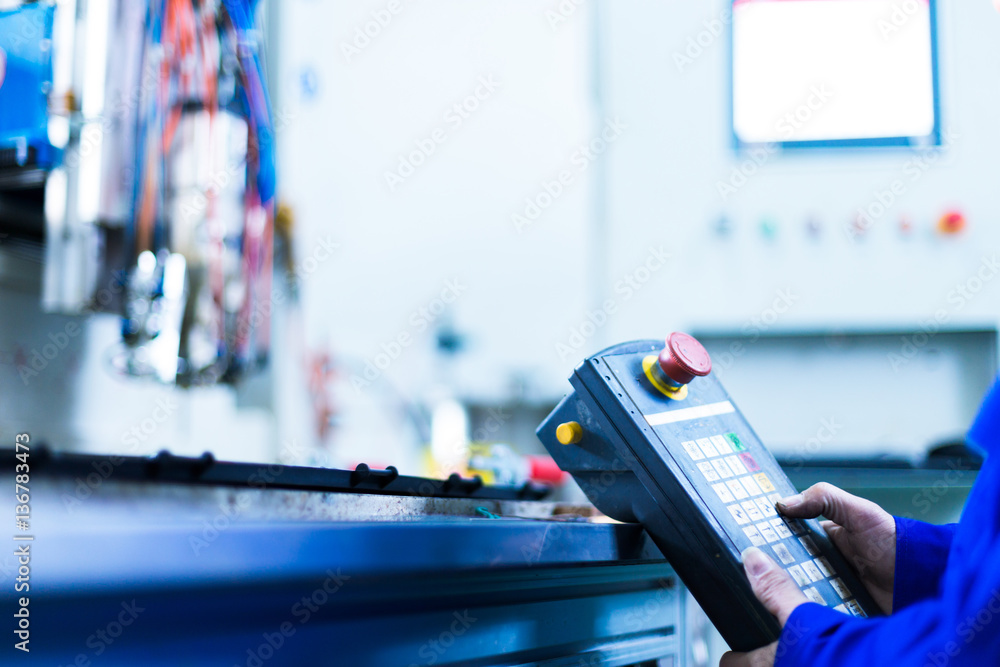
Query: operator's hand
(864, 532)
(778, 592)
(865, 535)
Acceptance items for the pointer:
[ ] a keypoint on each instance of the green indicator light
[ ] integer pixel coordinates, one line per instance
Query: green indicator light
(735, 439)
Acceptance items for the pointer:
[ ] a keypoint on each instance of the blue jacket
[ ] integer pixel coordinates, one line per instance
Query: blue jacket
(946, 598)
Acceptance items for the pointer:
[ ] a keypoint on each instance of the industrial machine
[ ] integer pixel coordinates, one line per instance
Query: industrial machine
(652, 437)
(171, 560)
(137, 163)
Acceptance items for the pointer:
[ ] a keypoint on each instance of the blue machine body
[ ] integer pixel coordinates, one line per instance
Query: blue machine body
(25, 81)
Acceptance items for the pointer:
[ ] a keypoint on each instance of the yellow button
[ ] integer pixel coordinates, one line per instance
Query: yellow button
(569, 433)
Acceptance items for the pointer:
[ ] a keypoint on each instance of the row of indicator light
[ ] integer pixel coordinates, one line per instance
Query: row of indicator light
(950, 223)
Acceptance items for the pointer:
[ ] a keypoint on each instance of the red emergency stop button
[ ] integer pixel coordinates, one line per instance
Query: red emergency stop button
(684, 358)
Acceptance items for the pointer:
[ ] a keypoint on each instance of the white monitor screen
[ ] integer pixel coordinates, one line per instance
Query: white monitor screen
(842, 71)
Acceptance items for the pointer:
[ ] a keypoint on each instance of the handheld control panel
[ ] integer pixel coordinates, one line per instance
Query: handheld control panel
(651, 436)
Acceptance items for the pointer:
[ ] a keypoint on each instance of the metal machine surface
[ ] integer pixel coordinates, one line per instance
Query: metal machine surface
(652, 437)
(170, 560)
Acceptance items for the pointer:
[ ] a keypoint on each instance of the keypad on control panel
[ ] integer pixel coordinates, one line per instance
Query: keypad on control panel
(736, 478)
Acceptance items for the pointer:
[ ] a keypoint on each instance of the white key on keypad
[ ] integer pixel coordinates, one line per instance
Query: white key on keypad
(766, 506)
(692, 450)
(737, 489)
(708, 471)
(798, 575)
(721, 468)
(783, 554)
(768, 532)
(824, 566)
(781, 528)
(723, 492)
(754, 535)
(812, 571)
(842, 590)
(736, 465)
(750, 507)
(738, 514)
(706, 446)
(751, 486)
(721, 444)
(809, 545)
(814, 595)
(855, 608)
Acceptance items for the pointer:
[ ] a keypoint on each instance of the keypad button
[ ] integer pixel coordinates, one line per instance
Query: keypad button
(855, 608)
(841, 589)
(736, 465)
(706, 446)
(708, 471)
(798, 575)
(780, 528)
(755, 537)
(737, 489)
(721, 444)
(814, 595)
(764, 482)
(824, 566)
(735, 441)
(809, 545)
(812, 571)
(751, 486)
(738, 514)
(783, 554)
(749, 462)
(723, 492)
(766, 507)
(693, 450)
(796, 526)
(750, 507)
(768, 532)
(721, 468)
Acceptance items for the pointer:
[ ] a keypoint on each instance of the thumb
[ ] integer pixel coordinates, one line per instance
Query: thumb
(774, 587)
(834, 503)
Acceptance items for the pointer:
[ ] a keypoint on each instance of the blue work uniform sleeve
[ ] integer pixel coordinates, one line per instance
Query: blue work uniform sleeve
(946, 607)
(921, 556)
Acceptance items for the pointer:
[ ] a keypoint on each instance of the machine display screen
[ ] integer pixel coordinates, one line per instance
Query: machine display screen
(834, 72)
